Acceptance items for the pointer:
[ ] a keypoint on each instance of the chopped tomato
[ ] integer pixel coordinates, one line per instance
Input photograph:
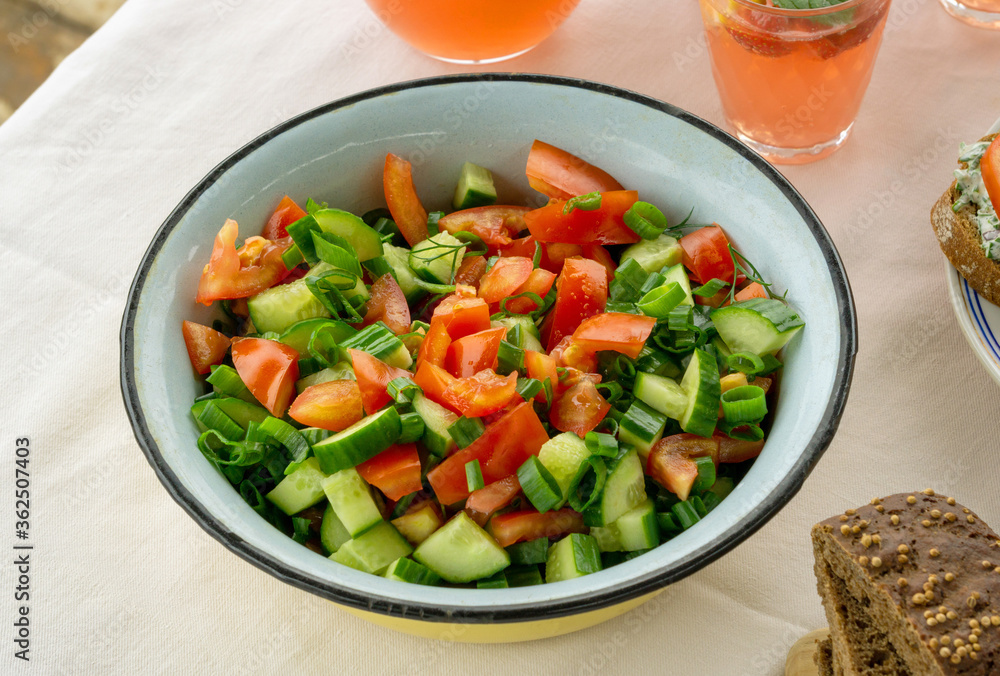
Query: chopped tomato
(706, 254)
(473, 353)
(538, 282)
(506, 275)
(570, 355)
(556, 173)
(581, 292)
(598, 253)
(462, 316)
(617, 331)
(604, 225)
(541, 366)
(553, 254)
(233, 273)
(284, 215)
(374, 375)
(395, 471)
(334, 405)
(401, 198)
(434, 381)
(501, 450)
(388, 304)
(737, 450)
(483, 503)
(471, 270)
(496, 225)
(580, 409)
(269, 369)
(482, 393)
(530, 525)
(205, 346)
(990, 167)
(434, 348)
(670, 461)
(718, 299)
(752, 290)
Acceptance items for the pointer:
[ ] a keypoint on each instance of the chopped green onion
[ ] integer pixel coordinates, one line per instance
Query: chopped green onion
(745, 362)
(588, 483)
(495, 581)
(609, 425)
(536, 259)
(309, 366)
(377, 340)
(466, 430)
(652, 360)
(621, 306)
(372, 216)
(322, 346)
(547, 386)
(529, 552)
(287, 436)
(538, 485)
(628, 279)
(654, 280)
(539, 302)
(661, 300)
(474, 245)
(742, 431)
(225, 380)
(680, 318)
(228, 452)
(213, 418)
(312, 206)
(510, 358)
(329, 287)
(292, 257)
(403, 390)
(706, 474)
(523, 576)
(667, 523)
(711, 500)
(301, 233)
(474, 475)
(745, 404)
(528, 388)
(709, 288)
(611, 391)
(589, 202)
(646, 220)
(207, 396)
(387, 229)
(314, 435)
(411, 426)
(334, 250)
(378, 267)
(432, 222)
(602, 444)
(699, 506)
(771, 364)
(686, 514)
(300, 528)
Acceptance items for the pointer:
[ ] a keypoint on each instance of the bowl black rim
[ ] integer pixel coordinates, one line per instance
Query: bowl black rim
(485, 614)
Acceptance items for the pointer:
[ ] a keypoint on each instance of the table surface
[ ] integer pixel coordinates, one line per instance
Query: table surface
(122, 580)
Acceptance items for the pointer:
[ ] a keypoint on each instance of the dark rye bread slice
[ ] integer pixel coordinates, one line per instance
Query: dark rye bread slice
(911, 586)
(960, 241)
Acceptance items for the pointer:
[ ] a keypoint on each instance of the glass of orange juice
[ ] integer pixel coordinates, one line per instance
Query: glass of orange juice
(981, 13)
(473, 31)
(791, 80)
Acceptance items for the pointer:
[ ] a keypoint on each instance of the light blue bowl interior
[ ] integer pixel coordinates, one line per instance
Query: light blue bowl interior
(338, 157)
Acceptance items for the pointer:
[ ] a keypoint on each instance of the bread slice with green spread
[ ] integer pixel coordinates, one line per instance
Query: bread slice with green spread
(967, 229)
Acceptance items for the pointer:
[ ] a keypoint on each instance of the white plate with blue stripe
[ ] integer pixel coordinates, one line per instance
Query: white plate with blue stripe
(978, 318)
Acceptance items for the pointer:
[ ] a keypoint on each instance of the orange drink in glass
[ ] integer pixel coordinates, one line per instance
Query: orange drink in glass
(791, 81)
(473, 31)
(981, 13)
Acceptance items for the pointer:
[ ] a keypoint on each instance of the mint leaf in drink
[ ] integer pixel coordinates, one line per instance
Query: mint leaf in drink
(806, 4)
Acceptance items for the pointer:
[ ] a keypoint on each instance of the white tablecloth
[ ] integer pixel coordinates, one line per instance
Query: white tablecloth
(122, 581)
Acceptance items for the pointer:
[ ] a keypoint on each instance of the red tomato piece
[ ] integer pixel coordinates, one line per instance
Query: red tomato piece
(506, 275)
(530, 525)
(570, 355)
(471, 271)
(598, 253)
(737, 450)
(388, 304)
(604, 225)
(462, 316)
(242, 273)
(556, 173)
(990, 167)
(334, 405)
(473, 353)
(617, 331)
(581, 292)
(401, 198)
(541, 367)
(670, 461)
(539, 282)
(395, 471)
(503, 447)
(434, 348)
(434, 381)
(483, 503)
(284, 215)
(205, 346)
(269, 369)
(495, 224)
(752, 290)
(483, 393)
(374, 375)
(580, 409)
(706, 254)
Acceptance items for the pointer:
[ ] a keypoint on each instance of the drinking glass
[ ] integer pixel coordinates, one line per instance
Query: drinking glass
(791, 81)
(473, 31)
(981, 13)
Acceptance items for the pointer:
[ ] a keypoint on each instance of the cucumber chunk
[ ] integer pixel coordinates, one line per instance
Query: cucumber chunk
(339, 371)
(575, 555)
(361, 441)
(641, 426)
(332, 533)
(417, 526)
(624, 489)
(301, 489)
(280, 307)
(437, 258)
(398, 259)
(437, 419)
(475, 188)
(759, 325)
(351, 500)
(703, 389)
(655, 254)
(637, 528)
(562, 455)
(408, 570)
(678, 274)
(461, 551)
(662, 394)
(530, 339)
(298, 334)
(366, 241)
(374, 550)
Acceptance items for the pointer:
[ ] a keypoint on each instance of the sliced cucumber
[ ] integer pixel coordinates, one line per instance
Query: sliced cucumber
(374, 550)
(417, 526)
(365, 240)
(300, 489)
(642, 427)
(655, 254)
(339, 371)
(703, 389)
(437, 419)
(298, 334)
(574, 556)
(281, 306)
(408, 570)
(241, 412)
(607, 538)
(637, 528)
(624, 489)
(475, 188)
(661, 393)
(332, 533)
(678, 274)
(437, 258)
(398, 259)
(361, 441)
(461, 551)
(529, 552)
(759, 325)
(562, 455)
(378, 341)
(351, 500)
(530, 338)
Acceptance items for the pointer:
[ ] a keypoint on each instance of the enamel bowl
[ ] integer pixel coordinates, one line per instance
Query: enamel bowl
(335, 153)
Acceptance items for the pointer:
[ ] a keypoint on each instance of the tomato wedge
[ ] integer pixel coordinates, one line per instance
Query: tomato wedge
(334, 405)
(374, 375)
(286, 213)
(388, 304)
(990, 167)
(580, 409)
(269, 369)
(556, 173)
(670, 461)
(503, 447)
(506, 275)
(462, 315)
(205, 346)
(242, 273)
(482, 393)
(496, 225)
(434, 348)
(581, 292)
(570, 355)
(483, 503)
(530, 525)
(617, 331)
(604, 225)
(539, 282)
(541, 366)
(598, 253)
(395, 471)
(737, 450)
(471, 271)
(706, 254)
(752, 290)
(401, 198)
(434, 381)
(473, 353)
